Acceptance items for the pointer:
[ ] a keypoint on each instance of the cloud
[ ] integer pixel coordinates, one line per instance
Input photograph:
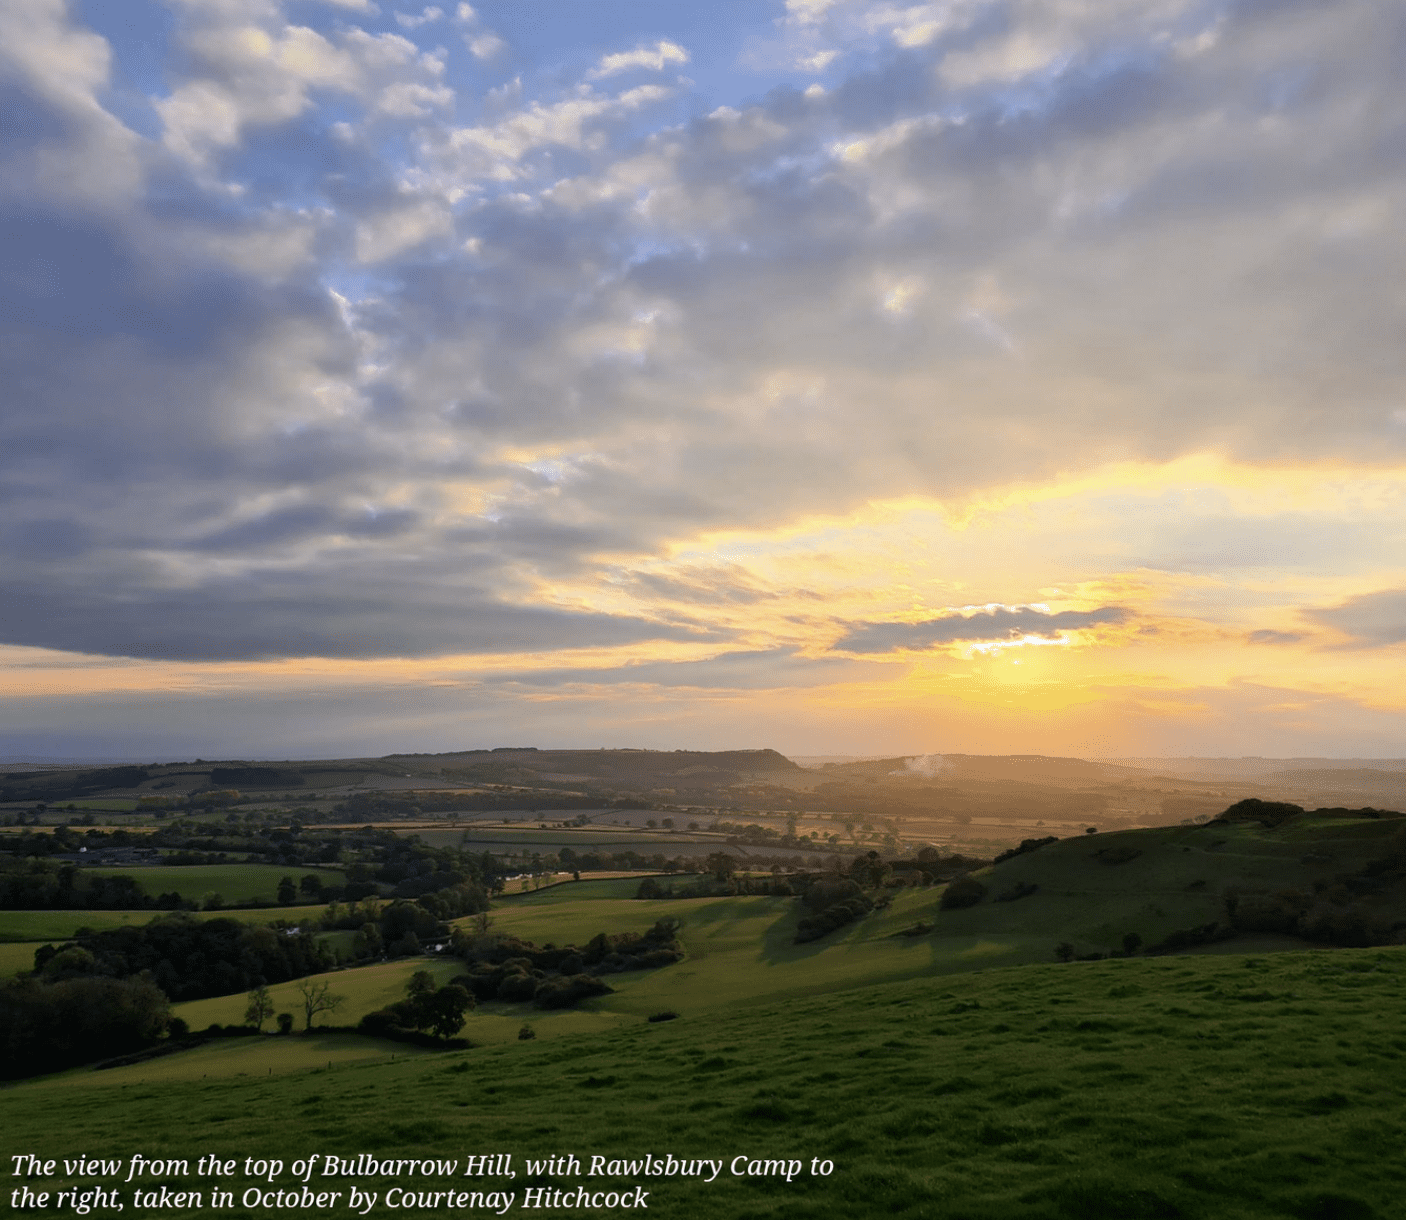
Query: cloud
(58, 140)
(355, 611)
(1266, 636)
(410, 21)
(349, 353)
(1372, 620)
(653, 59)
(485, 46)
(997, 623)
(702, 586)
(771, 669)
(497, 151)
(251, 76)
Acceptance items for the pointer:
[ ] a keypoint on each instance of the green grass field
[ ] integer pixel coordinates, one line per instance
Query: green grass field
(961, 1074)
(741, 949)
(61, 925)
(577, 891)
(16, 958)
(247, 1057)
(1176, 880)
(1192, 1088)
(234, 882)
(366, 989)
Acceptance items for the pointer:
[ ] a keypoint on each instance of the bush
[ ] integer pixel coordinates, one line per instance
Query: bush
(404, 946)
(285, 1023)
(378, 1023)
(526, 1033)
(517, 987)
(813, 927)
(1026, 845)
(653, 958)
(1189, 938)
(1263, 912)
(827, 891)
(965, 891)
(663, 1016)
(1252, 809)
(566, 992)
(484, 986)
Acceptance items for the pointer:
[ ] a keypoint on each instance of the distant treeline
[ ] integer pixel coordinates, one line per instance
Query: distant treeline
(46, 885)
(550, 976)
(382, 864)
(51, 786)
(190, 958)
(370, 806)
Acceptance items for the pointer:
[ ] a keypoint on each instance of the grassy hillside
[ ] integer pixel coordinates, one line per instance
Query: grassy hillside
(1090, 891)
(1192, 1087)
(1093, 890)
(957, 1073)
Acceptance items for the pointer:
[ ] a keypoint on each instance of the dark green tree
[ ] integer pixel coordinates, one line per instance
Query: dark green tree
(447, 1008)
(260, 1008)
(418, 1005)
(965, 891)
(721, 865)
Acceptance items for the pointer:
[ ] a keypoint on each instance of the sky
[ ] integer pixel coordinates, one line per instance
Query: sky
(834, 376)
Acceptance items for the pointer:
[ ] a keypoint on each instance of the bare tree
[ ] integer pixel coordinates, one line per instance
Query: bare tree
(318, 997)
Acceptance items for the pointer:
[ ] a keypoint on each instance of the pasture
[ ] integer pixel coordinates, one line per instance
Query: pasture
(1092, 890)
(233, 882)
(16, 958)
(61, 925)
(249, 1057)
(368, 988)
(1195, 1088)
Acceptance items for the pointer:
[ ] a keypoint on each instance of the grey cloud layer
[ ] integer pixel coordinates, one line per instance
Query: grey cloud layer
(771, 669)
(984, 625)
(1374, 620)
(1011, 238)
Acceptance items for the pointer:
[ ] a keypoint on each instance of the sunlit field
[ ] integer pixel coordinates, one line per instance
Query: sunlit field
(1216, 1087)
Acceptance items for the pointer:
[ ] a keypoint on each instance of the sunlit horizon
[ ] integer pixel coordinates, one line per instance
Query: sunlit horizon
(825, 376)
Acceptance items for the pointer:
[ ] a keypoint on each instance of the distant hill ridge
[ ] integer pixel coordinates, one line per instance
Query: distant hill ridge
(592, 761)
